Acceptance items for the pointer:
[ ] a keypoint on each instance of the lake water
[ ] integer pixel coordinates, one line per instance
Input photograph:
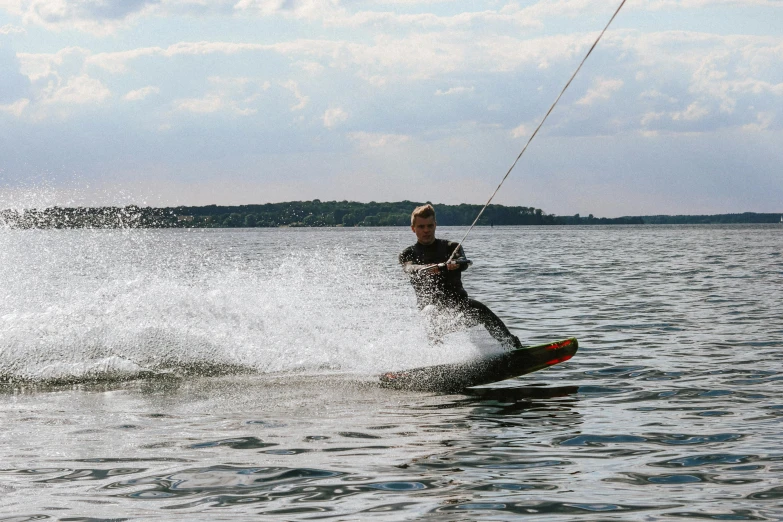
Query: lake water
(230, 374)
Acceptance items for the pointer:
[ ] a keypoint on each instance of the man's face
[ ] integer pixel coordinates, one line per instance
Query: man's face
(424, 229)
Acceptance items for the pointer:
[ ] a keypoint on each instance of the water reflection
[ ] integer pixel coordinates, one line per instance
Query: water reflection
(670, 410)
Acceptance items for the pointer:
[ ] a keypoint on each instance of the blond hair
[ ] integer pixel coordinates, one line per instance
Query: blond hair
(423, 212)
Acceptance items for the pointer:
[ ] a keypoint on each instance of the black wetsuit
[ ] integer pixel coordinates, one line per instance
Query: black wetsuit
(444, 289)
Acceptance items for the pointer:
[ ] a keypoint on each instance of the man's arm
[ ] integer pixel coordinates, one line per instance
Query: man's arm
(411, 268)
(407, 261)
(460, 262)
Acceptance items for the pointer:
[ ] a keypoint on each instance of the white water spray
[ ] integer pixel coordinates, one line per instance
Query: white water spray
(111, 304)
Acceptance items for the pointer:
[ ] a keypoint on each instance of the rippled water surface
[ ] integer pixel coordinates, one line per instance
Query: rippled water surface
(215, 374)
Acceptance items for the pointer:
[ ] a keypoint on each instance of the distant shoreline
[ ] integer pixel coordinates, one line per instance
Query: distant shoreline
(316, 213)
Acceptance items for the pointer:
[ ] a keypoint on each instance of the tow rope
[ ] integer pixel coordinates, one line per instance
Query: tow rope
(536, 131)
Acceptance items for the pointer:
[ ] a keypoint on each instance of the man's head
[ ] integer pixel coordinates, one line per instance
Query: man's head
(423, 224)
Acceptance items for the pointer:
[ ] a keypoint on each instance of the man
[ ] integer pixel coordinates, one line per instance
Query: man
(438, 283)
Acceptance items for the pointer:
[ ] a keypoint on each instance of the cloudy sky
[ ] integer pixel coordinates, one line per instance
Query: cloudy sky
(679, 109)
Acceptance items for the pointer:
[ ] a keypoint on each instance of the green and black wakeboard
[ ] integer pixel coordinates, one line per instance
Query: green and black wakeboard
(456, 377)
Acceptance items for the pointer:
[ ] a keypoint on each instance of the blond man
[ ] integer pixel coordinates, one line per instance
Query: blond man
(438, 281)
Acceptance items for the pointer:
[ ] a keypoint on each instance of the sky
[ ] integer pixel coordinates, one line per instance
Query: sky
(679, 110)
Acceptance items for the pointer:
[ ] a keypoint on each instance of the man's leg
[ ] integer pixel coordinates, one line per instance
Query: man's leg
(478, 313)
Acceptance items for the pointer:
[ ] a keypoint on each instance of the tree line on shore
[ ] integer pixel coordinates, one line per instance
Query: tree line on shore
(316, 213)
(717, 219)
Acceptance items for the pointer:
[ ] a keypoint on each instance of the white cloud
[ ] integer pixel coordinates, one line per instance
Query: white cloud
(99, 17)
(301, 99)
(12, 29)
(103, 17)
(116, 62)
(334, 116)
(208, 104)
(425, 55)
(140, 94)
(332, 13)
(521, 131)
(374, 140)
(376, 80)
(763, 122)
(719, 69)
(654, 94)
(309, 66)
(234, 95)
(16, 108)
(202, 48)
(40, 65)
(694, 112)
(602, 90)
(231, 83)
(454, 90)
(659, 5)
(79, 90)
(306, 9)
(63, 98)
(413, 56)
(676, 69)
(651, 117)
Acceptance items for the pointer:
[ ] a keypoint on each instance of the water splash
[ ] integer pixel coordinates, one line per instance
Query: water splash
(117, 304)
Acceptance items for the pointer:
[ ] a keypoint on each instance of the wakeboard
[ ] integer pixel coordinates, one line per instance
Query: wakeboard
(455, 377)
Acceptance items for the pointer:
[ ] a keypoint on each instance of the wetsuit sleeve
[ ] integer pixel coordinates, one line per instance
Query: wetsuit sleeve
(460, 258)
(408, 262)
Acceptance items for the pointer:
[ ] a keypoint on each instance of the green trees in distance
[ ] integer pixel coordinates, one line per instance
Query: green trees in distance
(317, 213)
(745, 217)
